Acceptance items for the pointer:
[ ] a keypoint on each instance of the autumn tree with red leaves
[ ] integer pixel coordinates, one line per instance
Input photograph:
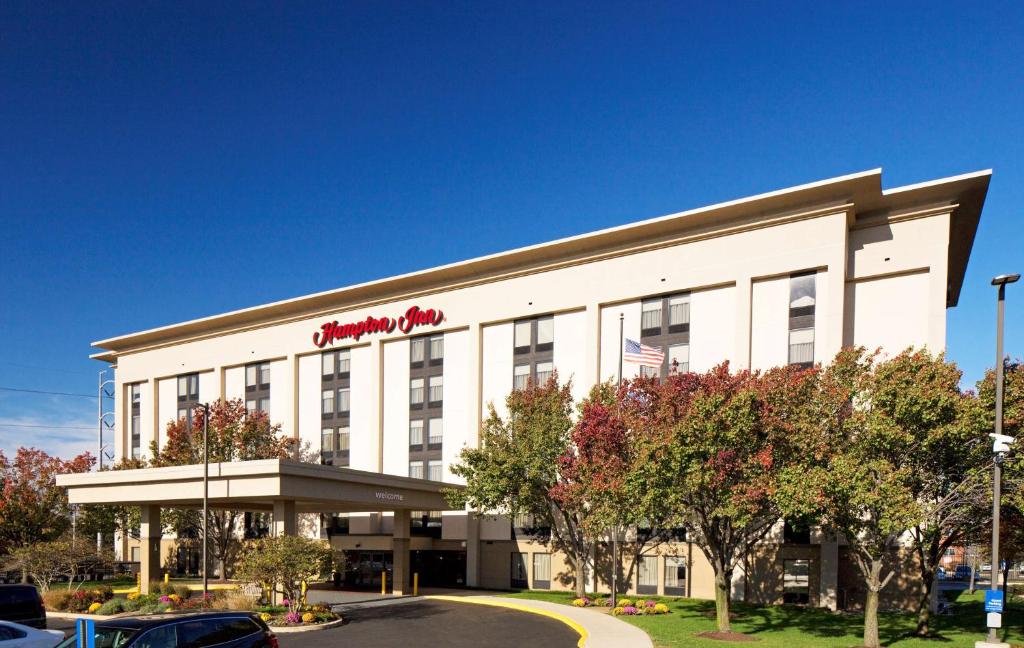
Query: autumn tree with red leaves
(235, 434)
(714, 447)
(32, 507)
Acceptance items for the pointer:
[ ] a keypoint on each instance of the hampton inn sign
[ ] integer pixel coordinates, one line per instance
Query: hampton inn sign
(414, 317)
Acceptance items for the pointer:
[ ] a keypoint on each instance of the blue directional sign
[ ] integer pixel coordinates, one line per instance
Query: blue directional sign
(994, 601)
(85, 633)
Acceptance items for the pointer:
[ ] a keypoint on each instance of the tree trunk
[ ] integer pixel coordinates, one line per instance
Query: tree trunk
(924, 610)
(1006, 577)
(723, 585)
(581, 577)
(974, 574)
(871, 619)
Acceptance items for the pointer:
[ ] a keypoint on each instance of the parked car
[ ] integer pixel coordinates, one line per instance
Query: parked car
(986, 568)
(15, 635)
(963, 572)
(192, 629)
(941, 574)
(22, 604)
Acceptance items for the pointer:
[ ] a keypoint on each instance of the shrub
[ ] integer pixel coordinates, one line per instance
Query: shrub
(661, 608)
(115, 606)
(287, 560)
(56, 599)
(581, 602)
(625, 602)
(265, 616)
(292, 617)
(94, 607)
(103, 593)
(182, 591)
(237, 601)
(308, 617)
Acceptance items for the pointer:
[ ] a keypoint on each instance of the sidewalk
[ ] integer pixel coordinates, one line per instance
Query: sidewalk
(597, 629)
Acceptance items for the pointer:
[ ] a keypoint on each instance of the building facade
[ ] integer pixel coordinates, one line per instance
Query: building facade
(395, 376)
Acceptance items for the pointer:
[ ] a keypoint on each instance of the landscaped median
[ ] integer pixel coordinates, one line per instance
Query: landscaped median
(792, 626)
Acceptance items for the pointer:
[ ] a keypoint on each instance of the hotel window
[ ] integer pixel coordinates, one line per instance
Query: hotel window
(327, 440)
(425, 523)
(417, 351)
(136, 401)
(533, 348)
(188, 396)
(436, 394)
(679, 358)
(796, 582)
(416, 392)
(541, 571)
(675, 576)
(650, 316)
(802, 301)
(426, 398)
(436, 349)
(520, 376)
(518, 576)
(544, 372)
(416, 434)
(257, 387)
(648, 578)
(416, 469)
(435, 431)
(336, 404)
(665, 325)
(434, 470)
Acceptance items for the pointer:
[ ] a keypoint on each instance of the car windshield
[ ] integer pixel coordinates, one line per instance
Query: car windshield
(106, 637)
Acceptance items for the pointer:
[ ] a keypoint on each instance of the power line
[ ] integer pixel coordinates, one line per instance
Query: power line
(41, 368)
(51, 393)
(48, 427)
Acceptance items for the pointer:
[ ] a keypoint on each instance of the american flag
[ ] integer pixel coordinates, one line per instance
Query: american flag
(642, 354)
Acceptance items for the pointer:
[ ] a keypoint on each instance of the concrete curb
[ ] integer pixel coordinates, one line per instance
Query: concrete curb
(304, 628)
(71, 616)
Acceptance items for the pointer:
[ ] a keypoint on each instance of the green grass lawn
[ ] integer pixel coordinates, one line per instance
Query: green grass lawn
(795, 627)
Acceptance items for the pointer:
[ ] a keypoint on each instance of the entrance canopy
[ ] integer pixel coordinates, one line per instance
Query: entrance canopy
(257, 486)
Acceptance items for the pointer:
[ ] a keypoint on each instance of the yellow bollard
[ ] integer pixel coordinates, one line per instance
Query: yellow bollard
(138, 583)
(415, 583)
(383, 583)
(167, 577)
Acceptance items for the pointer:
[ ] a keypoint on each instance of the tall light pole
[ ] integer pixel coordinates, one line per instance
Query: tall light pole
(1000, 447)
(206, 496)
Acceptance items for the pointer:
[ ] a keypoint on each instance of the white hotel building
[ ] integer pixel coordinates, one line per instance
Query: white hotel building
(786, 276)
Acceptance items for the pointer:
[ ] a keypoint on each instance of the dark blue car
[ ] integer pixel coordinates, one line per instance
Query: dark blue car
(187, 630)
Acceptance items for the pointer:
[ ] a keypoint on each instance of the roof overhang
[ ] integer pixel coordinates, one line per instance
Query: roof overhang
(256, 485)
(861, 192)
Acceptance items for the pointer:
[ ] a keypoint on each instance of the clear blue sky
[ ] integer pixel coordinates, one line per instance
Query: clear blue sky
(165, 161)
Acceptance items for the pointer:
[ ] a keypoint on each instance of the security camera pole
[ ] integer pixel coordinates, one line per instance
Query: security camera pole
(1000, 447)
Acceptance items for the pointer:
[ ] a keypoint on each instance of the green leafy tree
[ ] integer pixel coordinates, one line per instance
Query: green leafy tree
(60, 559)
(516, 469)
(108, 519)
(714, 447)
(283, 563)
(235, 434)
(894, 457)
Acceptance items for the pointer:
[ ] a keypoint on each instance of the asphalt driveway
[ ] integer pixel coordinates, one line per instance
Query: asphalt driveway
(438, 623)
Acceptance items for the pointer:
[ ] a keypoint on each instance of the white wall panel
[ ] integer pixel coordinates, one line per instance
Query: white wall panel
(497, 367)
(825, 348)
(146, 427)
(309, 400)
(167, 407)
(610, 339)
(209, 387)
(457, 374)
(769, 327)
(712, 327)
(570, 352)
(362, 435)
(396, 407)
(891, 313)
(234, 382)
(282, 395)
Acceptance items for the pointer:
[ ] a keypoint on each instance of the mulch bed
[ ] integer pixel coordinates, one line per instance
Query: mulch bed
(726, 636)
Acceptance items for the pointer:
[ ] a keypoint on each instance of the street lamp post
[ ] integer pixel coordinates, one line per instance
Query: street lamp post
(206, 496)
(1000, 447)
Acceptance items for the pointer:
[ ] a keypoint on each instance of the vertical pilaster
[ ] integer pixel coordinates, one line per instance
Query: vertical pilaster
(744, 297)
(475, 367)
(150, 532)
(400, 553)
(472, 550)
(284, 517)
(592, 366)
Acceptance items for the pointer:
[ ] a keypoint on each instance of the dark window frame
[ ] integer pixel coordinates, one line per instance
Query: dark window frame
(336, 381)
(668, 335)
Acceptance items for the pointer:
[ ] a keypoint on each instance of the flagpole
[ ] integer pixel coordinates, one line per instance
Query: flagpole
(615, 529)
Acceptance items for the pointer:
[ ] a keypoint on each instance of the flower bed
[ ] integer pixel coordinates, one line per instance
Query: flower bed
(626, 607)
(80, 600)
(277, 616)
